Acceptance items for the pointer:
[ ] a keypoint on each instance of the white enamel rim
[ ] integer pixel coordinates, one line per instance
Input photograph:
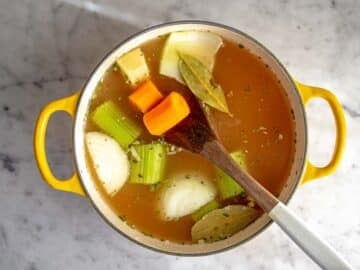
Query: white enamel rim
(99, 202)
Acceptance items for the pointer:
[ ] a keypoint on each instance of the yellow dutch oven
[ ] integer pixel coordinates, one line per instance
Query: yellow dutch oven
(76, 106)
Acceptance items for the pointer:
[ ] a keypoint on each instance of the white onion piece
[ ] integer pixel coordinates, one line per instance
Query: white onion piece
(202, 45)
(184, 194)
(109, 159)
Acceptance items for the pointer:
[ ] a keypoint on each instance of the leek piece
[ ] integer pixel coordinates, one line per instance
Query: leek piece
(212, 205)
(109, 118)
(149, 165)
(227, 186)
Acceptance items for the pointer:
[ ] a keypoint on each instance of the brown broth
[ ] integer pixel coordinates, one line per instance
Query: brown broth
(262, 127)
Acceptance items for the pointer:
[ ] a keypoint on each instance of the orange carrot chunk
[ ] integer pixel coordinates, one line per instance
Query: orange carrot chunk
(145, 96)
(167, 114)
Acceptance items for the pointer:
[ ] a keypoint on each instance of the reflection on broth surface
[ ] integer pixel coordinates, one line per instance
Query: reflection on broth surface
(261, 127)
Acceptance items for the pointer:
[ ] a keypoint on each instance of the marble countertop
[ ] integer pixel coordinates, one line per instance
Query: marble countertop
(47, 49)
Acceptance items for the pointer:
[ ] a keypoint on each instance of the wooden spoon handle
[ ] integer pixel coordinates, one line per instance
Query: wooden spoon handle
(217, 154)
(324, 255)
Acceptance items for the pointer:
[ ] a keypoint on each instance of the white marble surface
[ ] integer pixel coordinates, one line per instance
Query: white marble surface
(46, 51)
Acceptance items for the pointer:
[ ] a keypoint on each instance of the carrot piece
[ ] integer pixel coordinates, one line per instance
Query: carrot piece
(167, 114)
(145, 96)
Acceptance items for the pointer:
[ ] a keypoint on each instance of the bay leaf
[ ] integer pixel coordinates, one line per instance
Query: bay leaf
(223, 223)
(200, 81)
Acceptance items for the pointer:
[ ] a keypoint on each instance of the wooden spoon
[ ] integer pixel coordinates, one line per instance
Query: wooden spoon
(195, 133)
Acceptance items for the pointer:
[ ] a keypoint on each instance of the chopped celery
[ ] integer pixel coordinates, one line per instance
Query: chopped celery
(212, 205)
(149, 165)
(227, 186)
(115, 123)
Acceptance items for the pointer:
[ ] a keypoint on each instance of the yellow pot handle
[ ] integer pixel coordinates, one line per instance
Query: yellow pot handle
(67, 104)
(308, 92)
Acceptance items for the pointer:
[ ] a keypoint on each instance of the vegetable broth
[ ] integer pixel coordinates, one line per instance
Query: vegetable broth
(261, 126)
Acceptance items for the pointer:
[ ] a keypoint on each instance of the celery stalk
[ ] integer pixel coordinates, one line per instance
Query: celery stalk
(149, 167)
(109, 118)
(212, 205)
(227, 186)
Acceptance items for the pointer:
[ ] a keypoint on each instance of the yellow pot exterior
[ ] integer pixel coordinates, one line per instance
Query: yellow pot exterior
(82, 183)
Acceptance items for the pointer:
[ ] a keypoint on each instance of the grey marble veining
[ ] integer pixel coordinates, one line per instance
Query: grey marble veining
(47, 49)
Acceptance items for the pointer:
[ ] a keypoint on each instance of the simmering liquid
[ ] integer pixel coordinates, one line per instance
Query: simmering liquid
(261, 126)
